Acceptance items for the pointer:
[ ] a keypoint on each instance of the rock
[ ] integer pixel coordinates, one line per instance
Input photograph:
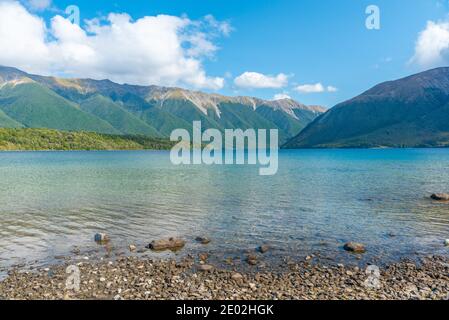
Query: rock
(205, 267)
(440, 196)
(203, 256)
(167, 244)
(391, 235)
(446, 242)
(264, 248)
(236, 276)
(251, 259)
(203, 240)
(355, 247)
(132, 247)
(101, 237)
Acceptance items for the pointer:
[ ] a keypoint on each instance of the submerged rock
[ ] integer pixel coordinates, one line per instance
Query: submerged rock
(391, 235)
(251, 259)
(167, 244)
(263, 248)
(203, 256)
(355, 247)
(440, 196)
(203, 240)
(132, 248)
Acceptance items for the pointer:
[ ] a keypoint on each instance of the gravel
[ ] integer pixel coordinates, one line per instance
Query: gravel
(142, 278)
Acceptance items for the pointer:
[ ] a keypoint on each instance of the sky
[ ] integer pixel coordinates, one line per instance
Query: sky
(316, 52)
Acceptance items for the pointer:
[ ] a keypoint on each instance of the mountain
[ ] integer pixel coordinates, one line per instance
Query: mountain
(102, 106)
(35, 106)
(409, 112)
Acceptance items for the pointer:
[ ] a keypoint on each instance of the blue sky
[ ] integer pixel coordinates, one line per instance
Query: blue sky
(309, 42)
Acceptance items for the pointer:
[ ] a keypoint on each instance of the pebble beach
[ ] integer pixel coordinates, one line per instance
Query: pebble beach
(192, 278)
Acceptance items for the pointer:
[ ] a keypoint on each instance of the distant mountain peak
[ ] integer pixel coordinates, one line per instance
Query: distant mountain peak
(203, 101)
(107, 107)
(408, 112)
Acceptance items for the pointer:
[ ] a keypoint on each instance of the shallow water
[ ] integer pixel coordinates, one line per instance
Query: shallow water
(53, 201)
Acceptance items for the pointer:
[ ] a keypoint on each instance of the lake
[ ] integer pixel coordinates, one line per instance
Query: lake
(52, 202)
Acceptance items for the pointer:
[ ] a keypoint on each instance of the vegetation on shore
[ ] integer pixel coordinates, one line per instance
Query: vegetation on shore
(47, 139)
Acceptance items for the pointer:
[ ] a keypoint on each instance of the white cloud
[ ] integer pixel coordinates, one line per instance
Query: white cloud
(39, 4)
(315, 88)
(255, 80)
(223, 26)
(432, 45)
(162, 50)
(310, 88)
(281, 96)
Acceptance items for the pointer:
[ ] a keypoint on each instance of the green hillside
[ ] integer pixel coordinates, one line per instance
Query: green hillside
(187, 111)
(122, 120)
(45, 139)
(288, 125)
(7, 122)
(164, 121)
(36, 106)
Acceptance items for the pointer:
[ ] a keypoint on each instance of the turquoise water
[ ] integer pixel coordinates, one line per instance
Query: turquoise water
(51, 202)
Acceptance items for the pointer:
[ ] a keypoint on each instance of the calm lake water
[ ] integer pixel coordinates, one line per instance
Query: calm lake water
(51, 202)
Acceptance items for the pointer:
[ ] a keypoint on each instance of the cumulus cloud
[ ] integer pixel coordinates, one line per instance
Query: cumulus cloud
(432, 45)
(281, 96)
(315, 88)
(162, 50)
(255, 80)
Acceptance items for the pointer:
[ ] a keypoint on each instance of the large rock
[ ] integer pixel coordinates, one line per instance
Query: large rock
(101, 237)
(355, 247)
(440, 196)
(173, 244)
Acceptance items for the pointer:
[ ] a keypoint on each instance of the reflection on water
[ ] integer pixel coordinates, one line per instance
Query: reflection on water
(53, 201)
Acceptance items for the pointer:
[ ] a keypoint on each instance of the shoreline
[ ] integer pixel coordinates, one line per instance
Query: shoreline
(193, 278)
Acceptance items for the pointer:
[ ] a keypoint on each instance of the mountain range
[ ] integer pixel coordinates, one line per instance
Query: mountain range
(102, 106)
(409, 112)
